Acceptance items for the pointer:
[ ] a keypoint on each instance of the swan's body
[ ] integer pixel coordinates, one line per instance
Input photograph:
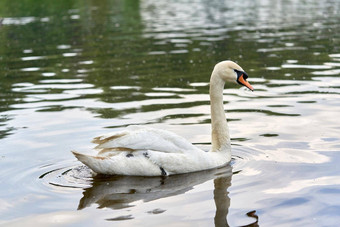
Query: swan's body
(144, 151)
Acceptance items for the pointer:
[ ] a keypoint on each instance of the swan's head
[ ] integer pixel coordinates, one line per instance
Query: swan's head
(229, 71)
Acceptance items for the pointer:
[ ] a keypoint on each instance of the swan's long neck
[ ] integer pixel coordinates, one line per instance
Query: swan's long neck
(219, 128)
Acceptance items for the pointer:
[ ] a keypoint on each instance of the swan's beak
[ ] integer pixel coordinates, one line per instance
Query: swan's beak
(241, 80)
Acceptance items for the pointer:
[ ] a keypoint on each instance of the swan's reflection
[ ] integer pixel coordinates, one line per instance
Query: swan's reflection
(119, 192)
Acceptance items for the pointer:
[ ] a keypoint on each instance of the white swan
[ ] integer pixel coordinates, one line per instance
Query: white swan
(144, 151)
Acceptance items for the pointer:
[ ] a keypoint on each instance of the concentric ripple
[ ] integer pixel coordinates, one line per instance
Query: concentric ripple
(68, 177)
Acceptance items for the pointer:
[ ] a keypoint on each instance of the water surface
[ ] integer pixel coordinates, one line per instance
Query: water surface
(72, 70)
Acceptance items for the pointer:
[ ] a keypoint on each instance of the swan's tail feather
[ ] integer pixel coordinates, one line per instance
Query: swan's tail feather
(91, 161)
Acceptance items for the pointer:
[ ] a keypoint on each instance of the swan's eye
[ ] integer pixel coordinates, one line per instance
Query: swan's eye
(240, 73)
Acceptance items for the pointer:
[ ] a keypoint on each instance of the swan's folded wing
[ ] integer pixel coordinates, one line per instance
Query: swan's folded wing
(145, 138)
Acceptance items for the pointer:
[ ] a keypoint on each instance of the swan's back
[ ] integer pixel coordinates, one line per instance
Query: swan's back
(136, 138)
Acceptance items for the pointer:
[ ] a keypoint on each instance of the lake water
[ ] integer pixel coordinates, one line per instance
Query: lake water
(71, 70)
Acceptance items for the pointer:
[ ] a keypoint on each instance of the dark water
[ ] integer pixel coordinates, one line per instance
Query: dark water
(72, 70)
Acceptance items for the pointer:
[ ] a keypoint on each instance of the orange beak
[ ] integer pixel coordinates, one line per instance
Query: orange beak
(242, 81)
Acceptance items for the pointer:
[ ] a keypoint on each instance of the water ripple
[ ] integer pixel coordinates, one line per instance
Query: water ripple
(76, 177)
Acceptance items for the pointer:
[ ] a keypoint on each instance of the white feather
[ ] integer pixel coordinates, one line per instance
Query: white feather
(146, 138)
